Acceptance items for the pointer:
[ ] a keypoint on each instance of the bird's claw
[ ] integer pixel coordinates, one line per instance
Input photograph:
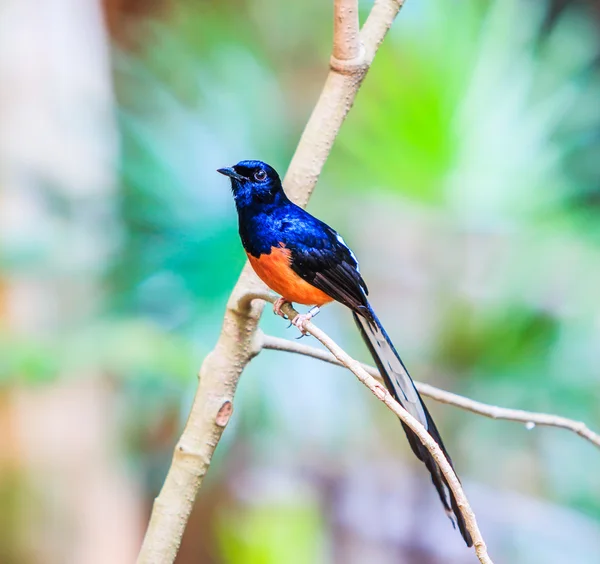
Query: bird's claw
(300, 322)
(279, 303)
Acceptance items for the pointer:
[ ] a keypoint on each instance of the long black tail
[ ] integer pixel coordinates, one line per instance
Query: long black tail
(400, 385)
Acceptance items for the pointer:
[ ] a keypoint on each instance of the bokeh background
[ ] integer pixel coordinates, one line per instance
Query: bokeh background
(466, 178)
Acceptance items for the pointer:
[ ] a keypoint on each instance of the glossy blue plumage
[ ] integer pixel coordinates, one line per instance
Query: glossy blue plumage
(267, 219)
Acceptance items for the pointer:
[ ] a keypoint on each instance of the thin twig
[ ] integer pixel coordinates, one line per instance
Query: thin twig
(382, 394)
(530, 418)
(221, 369)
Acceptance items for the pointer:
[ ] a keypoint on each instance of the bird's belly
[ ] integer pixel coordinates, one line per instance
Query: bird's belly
(275, 271)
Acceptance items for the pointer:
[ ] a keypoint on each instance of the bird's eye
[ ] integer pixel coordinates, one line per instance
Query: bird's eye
(260, 175)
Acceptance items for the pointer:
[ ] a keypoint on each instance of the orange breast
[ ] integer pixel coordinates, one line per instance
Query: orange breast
(275, 271)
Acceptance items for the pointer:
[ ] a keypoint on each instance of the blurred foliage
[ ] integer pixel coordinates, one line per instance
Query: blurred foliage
(15, 499)
(123, 348)
(180, 250)
(272, 532)
(454, 114)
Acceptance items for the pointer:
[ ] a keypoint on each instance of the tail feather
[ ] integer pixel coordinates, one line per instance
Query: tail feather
(401, 386)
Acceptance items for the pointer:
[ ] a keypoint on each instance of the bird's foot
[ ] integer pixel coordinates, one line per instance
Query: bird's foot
(302, 319)
(279, 303)
(300, 322)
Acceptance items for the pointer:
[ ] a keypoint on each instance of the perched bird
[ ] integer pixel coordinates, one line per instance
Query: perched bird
(307, 262)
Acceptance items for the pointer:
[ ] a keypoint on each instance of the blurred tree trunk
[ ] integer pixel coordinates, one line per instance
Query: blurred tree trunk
(58, 148)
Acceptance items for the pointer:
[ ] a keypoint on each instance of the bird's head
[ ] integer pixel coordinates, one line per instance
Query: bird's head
(253, 182)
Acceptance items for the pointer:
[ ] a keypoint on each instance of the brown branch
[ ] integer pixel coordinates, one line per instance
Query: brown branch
(346, 40)
(208, 417)
(222, 368)
(382, 394)
(530, 418)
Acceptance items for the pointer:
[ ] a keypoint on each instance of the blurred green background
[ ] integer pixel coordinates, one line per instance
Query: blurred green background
(466, 179)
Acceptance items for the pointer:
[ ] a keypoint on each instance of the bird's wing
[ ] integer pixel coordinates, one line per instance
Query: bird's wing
(320, 256)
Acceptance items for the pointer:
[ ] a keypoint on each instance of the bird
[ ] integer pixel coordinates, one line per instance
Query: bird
(307, 262)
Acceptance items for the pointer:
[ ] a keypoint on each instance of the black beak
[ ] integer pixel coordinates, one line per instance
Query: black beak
(231, 173)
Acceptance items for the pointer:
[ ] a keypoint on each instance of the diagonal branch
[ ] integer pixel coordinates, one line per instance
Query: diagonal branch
(221, 369)
(530, 418)
(382, 394)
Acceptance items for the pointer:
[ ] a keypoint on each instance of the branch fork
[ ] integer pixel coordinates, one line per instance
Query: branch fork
(355, 66)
